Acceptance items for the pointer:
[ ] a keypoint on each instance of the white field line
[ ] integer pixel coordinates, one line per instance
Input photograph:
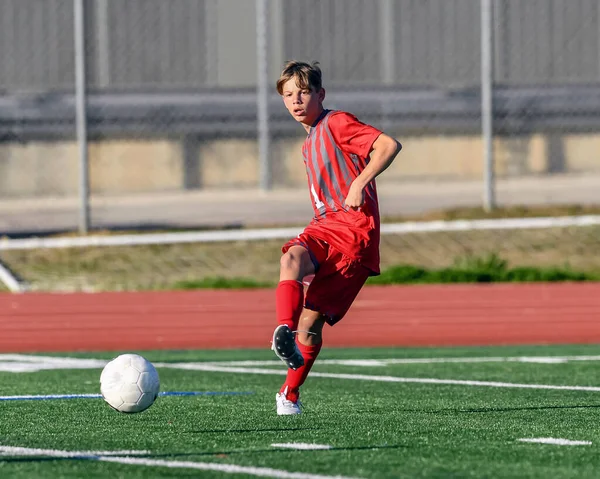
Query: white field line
(387, 379)
(27, 451)
(204, 466)
(387, 362)
(119, 453)
(227, 468)
(23, 363)
(556, 441)
(85, 362)
(26, 397)
(33, 397)
(32, 363)
(302, 446)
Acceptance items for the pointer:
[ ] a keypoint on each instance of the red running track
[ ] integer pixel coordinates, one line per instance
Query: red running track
(451, 315)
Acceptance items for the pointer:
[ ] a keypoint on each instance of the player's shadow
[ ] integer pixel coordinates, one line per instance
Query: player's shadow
(30, 459)
(527, 408)
(277, 450)
(226, 431)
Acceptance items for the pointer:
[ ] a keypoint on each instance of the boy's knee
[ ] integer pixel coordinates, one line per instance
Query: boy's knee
(295, 264)
(290, 261)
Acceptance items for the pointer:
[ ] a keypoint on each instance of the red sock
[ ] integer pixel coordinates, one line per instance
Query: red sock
(296, 378)
(289, 301)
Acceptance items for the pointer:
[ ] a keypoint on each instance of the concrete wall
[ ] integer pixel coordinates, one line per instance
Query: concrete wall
(123, 166)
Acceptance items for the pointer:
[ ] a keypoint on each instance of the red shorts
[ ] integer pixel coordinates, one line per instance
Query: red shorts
(338, 279)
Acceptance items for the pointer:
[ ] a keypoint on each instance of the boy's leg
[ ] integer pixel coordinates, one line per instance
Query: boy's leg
(309, 340)
(329, 296)
(289, 300)
(296, 263)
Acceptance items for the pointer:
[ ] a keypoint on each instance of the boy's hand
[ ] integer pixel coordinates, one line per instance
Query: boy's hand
(356, 197)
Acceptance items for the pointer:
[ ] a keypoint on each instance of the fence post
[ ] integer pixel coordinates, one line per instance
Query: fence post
(262, 93)
(487, 109)
(81, 115)
(102, 43)
(387, 32)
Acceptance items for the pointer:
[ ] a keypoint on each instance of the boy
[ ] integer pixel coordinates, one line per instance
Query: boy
(340, 246)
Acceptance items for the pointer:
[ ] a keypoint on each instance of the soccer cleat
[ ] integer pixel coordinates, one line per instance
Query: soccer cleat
(284, 345)
(285, 407)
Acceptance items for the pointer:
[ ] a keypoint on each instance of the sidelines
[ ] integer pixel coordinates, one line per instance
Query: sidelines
(204, 466)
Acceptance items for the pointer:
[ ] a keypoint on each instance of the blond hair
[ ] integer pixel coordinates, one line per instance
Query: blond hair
(308, 76)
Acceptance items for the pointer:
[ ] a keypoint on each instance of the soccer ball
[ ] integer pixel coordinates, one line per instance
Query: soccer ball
(129, 383)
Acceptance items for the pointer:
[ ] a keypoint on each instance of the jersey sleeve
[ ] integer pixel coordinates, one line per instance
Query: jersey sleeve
(351, 135)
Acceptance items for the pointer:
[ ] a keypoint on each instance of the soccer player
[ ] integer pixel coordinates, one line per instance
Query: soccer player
(340, 246)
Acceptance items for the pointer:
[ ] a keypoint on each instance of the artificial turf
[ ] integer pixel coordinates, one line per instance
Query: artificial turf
(376, 428)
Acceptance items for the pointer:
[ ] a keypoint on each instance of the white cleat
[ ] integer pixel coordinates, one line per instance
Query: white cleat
(284, 346)
(285, 407)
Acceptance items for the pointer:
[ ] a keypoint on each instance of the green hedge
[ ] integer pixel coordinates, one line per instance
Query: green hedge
(221, 283)
(489, 269)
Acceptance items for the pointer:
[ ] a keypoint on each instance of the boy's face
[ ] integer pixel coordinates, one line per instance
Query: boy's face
(304, 105)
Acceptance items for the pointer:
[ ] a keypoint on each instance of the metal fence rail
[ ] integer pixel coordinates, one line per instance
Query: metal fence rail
(217, 113)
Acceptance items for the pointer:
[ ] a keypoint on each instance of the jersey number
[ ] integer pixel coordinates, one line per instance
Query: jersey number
(318, 203)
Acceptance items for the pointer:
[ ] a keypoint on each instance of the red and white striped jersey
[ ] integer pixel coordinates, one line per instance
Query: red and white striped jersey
(335, 152)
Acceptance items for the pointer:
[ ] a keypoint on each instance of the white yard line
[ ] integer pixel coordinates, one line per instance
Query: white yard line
(28, 451)
(387, 362)
(30, 358)
(26, 397)
(22, 363)
(363, 377)
(19, 363)
(302, 446)
(227, 468)
(204, 466)
(556, 441)
(25, 363)
(33, 397)
(119, 453)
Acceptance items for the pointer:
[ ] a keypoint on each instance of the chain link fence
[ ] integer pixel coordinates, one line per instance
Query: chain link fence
(172, 104)
(172, 99)
(37, 150)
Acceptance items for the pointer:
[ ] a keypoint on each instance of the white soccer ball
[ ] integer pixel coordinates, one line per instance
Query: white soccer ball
(129, 383)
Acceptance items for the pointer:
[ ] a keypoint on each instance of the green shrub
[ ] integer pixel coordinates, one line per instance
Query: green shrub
(221, 283)
(468, 269)
(473, 269)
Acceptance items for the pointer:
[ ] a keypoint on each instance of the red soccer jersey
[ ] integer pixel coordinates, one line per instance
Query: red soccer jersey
(336, 150)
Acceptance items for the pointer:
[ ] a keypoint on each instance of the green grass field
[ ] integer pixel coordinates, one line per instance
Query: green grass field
(443, 419)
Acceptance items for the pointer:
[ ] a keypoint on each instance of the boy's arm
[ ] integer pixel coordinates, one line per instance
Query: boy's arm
(384, 150)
